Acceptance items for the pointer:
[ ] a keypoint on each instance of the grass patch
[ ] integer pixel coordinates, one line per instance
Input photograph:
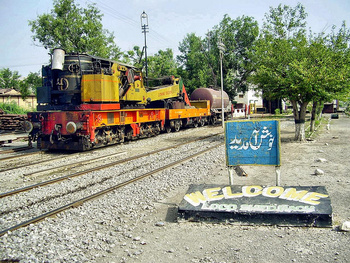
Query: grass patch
(13, 108)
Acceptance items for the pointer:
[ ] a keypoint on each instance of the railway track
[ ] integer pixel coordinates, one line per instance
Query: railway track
(42, 161)
(32, 163)
(126, 181)
(19, 156)
(85, 171)
(19, 149)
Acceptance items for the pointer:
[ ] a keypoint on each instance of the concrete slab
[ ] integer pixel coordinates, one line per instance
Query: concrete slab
(11, 137)
(255, 204)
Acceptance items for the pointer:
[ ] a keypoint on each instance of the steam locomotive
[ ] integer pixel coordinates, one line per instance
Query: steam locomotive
(87, 102)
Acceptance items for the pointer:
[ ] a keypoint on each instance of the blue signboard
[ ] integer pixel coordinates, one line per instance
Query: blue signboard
(252, 142)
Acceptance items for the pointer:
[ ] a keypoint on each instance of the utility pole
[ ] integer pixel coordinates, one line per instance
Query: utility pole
(144, 27)
(221, 48)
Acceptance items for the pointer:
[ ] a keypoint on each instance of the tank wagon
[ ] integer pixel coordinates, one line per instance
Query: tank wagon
(87, 102)
(214, 97)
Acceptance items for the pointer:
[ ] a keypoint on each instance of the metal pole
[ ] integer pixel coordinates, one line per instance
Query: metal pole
(144, 30)
(230, 174)
(278, 175)
(222, 92)
(144, 26)
(221, 47)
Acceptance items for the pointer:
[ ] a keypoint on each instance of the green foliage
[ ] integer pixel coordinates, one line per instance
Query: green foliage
(277, 111)
(133, 57)
(9, 79)
(278, 53)
(74, 29)
(296, 68)
(285, 22)
(193, 62)
(29, 84)
(238, 35)
(13, 108)
(289, 112)
(162, 64)
(199, 58)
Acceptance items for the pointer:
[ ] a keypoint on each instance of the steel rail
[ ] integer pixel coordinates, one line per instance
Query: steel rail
(58, 179)
(103, 192)
(33, 163)
(71, 164)
(18, 156)
(19, 149)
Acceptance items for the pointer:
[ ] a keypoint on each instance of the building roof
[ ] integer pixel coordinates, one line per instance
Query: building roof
(11, 92)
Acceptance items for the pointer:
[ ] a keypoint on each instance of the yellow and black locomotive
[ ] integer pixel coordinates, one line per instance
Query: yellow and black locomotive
(87, 102)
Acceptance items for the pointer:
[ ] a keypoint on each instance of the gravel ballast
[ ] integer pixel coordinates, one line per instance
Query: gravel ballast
(137, 223)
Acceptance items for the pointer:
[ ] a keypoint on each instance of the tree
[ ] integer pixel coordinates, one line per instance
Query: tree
(29, 84)
(199, 61)
(9, 79)
(193, 63)
(280, 50)
(326, 69)
(133, 57)
(74, 29)
(162, 64)
(290, 66)
(238, 35)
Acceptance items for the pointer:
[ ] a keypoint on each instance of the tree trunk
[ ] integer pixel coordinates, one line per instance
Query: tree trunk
(299, 119)
(313, 116)
(319, 110)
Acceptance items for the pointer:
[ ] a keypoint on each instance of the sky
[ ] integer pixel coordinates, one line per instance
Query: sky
(169, 22)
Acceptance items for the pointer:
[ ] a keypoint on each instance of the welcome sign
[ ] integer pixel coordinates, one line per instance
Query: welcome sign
(289, 205)
(252, 142)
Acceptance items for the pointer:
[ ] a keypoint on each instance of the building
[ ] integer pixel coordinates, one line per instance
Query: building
(250, 99)
(11, 95)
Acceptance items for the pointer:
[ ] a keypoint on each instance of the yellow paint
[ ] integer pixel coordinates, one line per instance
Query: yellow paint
(136, 92)
(292, 194)
(213, 194)
(272, 191)
(99, 88)
(217, 193)
(201, 110)
(227, 191)
(311, 198)
(167, 92)
(195, 198)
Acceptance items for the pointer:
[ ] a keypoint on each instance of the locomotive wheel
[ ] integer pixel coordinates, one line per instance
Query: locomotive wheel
(129, 135)
(168, 129)
(177, 126)
(195, 123)
(213, 120)
(202, 122)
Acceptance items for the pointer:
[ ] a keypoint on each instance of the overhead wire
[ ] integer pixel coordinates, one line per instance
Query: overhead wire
(123, 18)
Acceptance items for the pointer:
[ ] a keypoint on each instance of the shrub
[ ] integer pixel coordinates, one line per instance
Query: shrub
(12, 108)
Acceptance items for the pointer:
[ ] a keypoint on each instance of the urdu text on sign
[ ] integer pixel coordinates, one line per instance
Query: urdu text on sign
(252, 143)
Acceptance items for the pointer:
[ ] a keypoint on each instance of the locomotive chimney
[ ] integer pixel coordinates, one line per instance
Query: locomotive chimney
(58, 59)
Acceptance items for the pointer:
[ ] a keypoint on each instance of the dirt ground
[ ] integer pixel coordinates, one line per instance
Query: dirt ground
(161, 238)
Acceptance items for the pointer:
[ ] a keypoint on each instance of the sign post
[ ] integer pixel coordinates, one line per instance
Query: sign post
(256, 142)
(253, 143)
